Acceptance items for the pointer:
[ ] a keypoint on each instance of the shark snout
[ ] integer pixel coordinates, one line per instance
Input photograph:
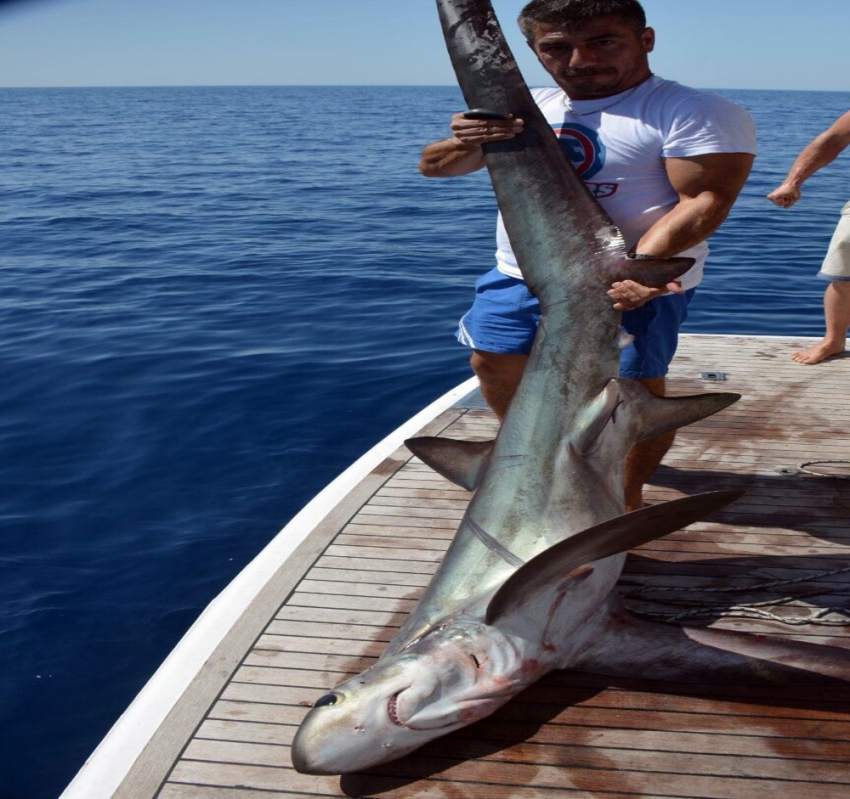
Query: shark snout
(390, 710)
(354, 726)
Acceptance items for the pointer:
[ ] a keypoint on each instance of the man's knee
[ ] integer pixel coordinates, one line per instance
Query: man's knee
(499, 376)
(841, 288)
(497, 367)
(655, 385)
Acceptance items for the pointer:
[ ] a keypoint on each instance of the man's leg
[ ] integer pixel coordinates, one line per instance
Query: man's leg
(836, 311)
(645, 456)
(499, 328)
(836, 299)
(655, 327)
(499, 375)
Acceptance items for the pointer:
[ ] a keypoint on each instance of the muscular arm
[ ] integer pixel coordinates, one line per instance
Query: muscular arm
(708, 186)
(461, 153)
(822, 150)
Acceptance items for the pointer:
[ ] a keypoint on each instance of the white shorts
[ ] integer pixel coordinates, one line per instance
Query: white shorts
(836, 265)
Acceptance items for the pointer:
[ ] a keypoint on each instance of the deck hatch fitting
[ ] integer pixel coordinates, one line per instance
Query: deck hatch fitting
(717, 376)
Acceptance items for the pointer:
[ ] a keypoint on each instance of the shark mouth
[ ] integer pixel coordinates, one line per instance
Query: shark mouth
(392, 711)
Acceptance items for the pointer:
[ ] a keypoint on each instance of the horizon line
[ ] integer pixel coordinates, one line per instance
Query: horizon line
(357, 86)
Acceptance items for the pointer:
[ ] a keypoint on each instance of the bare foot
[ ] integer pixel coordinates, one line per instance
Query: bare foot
(820, 352)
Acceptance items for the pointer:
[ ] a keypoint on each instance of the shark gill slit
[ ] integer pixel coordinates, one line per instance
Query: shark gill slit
(492, 544)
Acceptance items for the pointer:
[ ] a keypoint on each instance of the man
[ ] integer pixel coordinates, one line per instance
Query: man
(823, 150)
(665, 161)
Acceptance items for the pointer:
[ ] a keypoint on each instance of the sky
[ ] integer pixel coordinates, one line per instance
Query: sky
(721, 44)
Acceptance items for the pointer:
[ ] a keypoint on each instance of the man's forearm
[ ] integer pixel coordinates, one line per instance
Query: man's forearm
(450, 158)
(821, 151)
(691, 222)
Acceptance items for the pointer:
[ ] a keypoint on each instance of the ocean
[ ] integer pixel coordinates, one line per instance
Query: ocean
(213, 301)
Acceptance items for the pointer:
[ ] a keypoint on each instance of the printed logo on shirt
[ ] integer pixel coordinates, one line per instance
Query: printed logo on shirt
(602, 190)
(583, 147)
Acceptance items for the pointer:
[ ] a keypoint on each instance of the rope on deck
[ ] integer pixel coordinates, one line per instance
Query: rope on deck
(748, 610)
(802, 468)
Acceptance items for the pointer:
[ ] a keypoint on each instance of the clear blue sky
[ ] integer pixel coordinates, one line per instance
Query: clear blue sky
(726, 44)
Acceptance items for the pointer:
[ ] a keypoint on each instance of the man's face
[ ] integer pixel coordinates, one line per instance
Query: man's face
(602, 58)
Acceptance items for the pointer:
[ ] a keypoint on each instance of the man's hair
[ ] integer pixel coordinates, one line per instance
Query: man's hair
(576, 13)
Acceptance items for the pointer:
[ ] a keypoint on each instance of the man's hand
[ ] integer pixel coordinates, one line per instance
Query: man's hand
(628, 295)
(461, 153)
(471, 133)
(785, 195)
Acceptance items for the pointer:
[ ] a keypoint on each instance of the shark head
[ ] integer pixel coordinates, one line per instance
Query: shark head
(455, 674)
(467, 666)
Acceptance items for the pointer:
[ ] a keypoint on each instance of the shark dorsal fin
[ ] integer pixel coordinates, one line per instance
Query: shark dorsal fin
(548, 569)
(462, 462)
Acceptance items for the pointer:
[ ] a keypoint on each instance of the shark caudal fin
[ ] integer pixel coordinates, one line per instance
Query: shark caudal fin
(462, 462)
(646, 270)
(626, 646)
(547, 571)
(657, 415)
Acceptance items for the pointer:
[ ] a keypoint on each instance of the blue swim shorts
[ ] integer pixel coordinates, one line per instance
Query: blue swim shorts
(505, 314)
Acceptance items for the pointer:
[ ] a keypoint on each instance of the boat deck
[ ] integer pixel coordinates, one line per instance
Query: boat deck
(776, 557)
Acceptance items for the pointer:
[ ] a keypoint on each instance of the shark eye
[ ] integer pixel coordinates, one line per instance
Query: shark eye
(327, 699)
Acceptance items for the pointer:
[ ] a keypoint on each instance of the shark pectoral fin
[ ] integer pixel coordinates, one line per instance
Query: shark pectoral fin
(630, 647)
(462, 462)
(660, 414)
(647, 270)
(544, 572)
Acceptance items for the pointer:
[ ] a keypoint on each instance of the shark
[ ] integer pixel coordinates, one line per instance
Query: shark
(528, 583)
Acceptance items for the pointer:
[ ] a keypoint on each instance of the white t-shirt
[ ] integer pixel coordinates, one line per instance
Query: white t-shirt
(618, 148)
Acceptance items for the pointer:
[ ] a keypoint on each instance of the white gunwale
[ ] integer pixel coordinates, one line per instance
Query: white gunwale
(114, 759)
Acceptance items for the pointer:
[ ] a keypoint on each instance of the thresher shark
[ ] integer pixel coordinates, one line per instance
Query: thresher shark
(528, 582)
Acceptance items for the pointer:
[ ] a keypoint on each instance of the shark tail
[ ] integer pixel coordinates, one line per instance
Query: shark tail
(630, 647)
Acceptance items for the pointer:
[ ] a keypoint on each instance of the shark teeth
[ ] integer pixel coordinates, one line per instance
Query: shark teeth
(392, 710)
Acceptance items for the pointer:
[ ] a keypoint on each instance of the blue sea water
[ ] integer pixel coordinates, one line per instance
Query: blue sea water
(212, 301)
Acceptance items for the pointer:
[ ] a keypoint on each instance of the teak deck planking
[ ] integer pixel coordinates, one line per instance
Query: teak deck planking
(573, 734)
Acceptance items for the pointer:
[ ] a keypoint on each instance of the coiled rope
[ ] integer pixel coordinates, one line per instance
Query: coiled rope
(748, 610)
(802, 468)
